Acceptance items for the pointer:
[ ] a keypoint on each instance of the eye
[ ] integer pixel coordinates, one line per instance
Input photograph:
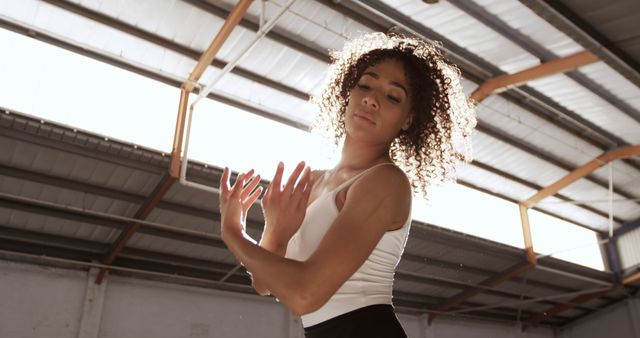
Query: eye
(393, 98)
(363, 86)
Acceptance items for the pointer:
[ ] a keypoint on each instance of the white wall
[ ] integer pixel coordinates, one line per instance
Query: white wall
(39, 301)
(619, 321)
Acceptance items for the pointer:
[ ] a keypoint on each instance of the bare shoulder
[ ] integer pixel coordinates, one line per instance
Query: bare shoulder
(383, 193)
(384, 181)
(387, 176)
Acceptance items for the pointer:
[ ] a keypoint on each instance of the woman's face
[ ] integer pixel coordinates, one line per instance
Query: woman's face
(380, 104)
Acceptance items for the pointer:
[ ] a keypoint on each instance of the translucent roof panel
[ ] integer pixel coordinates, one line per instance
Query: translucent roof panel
(559, 239)
(521, 18)
(451, 22)
(573, 96)
(463, 209)
(59, 79)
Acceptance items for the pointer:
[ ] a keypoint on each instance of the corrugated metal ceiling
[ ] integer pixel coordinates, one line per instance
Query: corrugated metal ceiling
(517, 149)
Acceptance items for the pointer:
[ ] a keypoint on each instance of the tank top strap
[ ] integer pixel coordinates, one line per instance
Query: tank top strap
(355, 177)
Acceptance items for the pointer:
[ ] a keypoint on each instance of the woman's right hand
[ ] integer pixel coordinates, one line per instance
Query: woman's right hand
(284, 207)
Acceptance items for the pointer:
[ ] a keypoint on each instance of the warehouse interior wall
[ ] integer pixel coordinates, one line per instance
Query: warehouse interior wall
(46, 301)
(620, 320)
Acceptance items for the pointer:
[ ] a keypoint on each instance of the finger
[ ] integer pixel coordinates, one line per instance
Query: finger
(277, 178)
(252, 198)
(307, 185)
(237, 187)
(224, 180)
(265, 197)
(251, 185)
(294, 177)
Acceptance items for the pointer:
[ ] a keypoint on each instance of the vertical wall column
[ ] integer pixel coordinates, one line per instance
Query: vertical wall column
(426, 330)
(295, 326)
(633, 306)
(92, 306)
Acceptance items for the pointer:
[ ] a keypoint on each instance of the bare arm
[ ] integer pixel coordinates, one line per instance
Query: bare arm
(272, 240)
(376, 203)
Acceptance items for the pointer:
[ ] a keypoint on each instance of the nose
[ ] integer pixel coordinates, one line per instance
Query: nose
(370, 101)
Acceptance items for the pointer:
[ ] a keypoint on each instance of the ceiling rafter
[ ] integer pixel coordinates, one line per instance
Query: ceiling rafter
(260, 111)
(560, 16)
(478, 70)
(492, 21)
(288, 90)
(170, 232)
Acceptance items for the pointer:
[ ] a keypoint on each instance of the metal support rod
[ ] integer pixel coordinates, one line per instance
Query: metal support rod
(574, 276)
(205, 91)
(124, 269)
(533, 320)
(260, 34)
(600, 242)
(143, 212)
(582, 171)
(230, 273)
(170, 229)
(490, 282)
(529, 301)
(610, 199)
(190, 83)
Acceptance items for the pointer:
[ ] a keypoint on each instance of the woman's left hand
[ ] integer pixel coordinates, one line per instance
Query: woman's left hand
(236, 200)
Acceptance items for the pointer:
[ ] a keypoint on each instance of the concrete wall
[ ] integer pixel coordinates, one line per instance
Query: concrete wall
(39, 301)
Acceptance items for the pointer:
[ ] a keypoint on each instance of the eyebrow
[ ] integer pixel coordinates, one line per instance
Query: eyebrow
(394, 83)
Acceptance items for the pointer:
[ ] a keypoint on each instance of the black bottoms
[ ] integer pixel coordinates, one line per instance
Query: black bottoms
(374, 321)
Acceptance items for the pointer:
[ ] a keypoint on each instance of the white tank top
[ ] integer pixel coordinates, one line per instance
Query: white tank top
(372, 283)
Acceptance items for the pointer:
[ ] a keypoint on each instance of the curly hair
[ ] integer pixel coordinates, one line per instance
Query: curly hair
(443, 119)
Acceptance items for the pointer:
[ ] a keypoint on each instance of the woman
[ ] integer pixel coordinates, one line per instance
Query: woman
(332, 239)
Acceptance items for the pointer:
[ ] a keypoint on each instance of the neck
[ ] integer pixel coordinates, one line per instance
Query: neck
(359, 155)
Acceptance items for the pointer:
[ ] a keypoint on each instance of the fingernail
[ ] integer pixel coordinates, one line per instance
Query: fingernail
(280, 164)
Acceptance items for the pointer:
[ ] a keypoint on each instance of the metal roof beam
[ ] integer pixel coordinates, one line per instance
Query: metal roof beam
(143, 212)
(534, 186)
(559, 65)
(146, 263)
(535, 319)
(468, 61)
(102, 191)
(558, 15)
(493, 281)
(168, 44)
(631, 279)
(306, 47)
(548, 157)
(627, 227)
(422, 302)
(172, 175)
(206, 214)
(164, 79)
(582, 171)
(104, 220)
(171, 45)
(57, 181)
(458, 285)
(464, 59)
(528, 44)
(432, 261)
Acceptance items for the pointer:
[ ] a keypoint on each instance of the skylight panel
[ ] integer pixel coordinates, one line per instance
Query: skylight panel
(81, 92)
(563, 240)
(463, 209)
(61, 86)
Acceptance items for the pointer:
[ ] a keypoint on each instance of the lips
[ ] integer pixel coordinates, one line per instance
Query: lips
(364, 117)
